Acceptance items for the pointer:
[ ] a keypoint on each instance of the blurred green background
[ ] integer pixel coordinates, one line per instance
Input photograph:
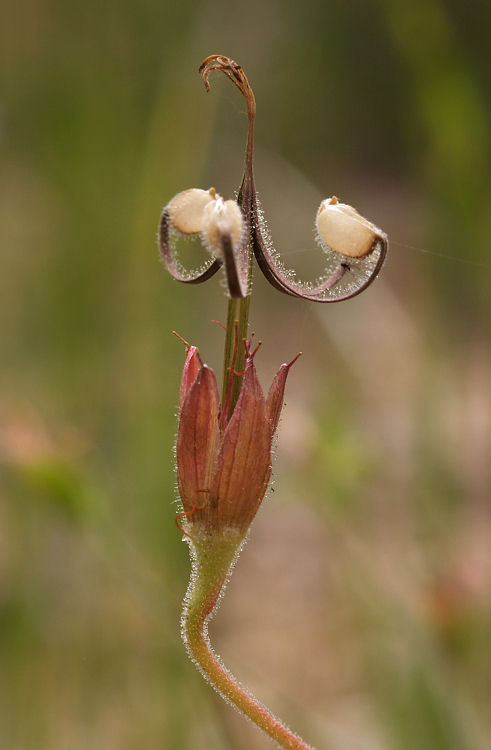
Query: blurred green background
(360, 610)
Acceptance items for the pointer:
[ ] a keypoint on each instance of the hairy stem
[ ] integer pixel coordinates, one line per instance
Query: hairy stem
(213, 558)
(237, 312)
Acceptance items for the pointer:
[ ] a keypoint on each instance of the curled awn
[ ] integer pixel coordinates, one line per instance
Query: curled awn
(355, 248)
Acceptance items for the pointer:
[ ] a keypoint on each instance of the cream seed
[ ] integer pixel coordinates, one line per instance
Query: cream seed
(222, 219)
(345, 231)
(186, 209)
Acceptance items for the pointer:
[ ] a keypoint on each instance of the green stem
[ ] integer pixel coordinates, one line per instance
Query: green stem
(238, 311)
(213, 558)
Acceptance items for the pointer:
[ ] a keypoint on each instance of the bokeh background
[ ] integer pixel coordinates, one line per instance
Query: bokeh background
(360, 610)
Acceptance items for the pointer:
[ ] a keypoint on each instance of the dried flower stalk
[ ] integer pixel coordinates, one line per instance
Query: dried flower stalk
(223, 447)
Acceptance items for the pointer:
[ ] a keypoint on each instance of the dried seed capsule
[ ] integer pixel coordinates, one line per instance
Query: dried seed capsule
(186, 209)
(222, 218)
(345, 231)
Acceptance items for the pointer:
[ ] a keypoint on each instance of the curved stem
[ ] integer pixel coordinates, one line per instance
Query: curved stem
(213, 559)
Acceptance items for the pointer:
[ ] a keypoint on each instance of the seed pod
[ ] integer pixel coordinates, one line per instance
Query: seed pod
(346, 232)
(222, 218)
(186, 209)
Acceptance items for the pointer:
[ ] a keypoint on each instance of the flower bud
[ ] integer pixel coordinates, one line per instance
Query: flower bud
(222, 219)
(186, 209)
(345, 231)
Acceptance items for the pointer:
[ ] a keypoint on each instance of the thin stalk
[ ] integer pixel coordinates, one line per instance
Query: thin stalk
(238, 312)
(213, 558)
